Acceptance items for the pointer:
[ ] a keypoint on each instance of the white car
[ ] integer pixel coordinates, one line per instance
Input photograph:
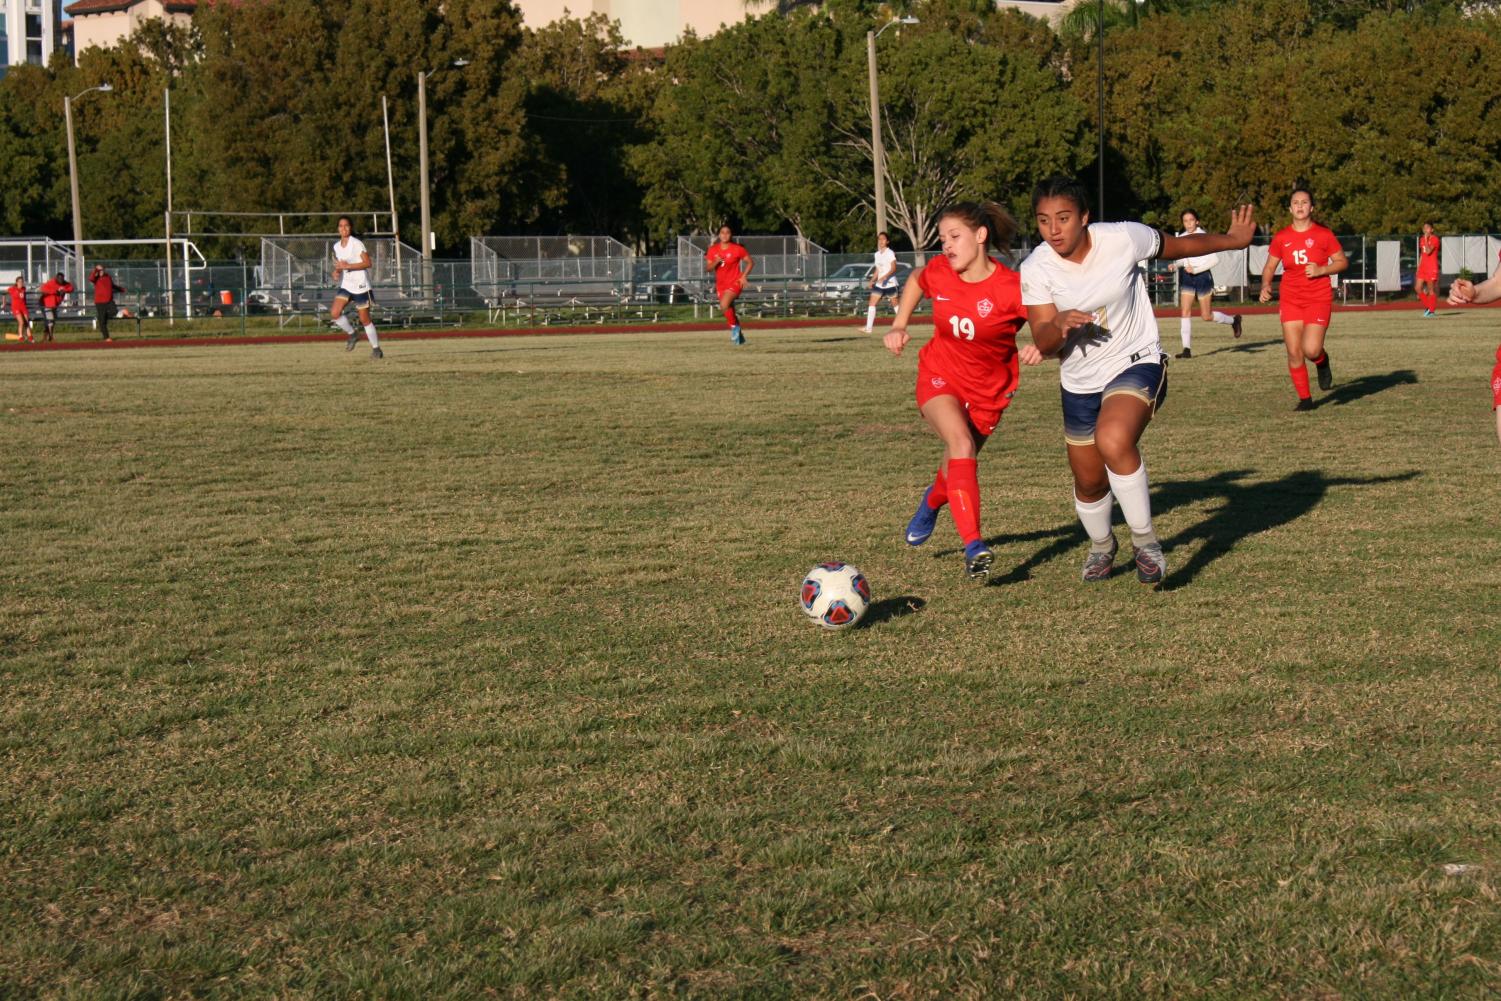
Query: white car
(853, 280)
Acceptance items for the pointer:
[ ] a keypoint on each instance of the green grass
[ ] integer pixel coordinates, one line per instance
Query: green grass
(479, 671)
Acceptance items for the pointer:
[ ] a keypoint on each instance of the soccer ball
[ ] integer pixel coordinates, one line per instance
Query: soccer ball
(835, 595)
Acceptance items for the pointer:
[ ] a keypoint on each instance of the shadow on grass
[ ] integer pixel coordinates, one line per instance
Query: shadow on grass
(1368, 385)
(836, 340)
(1247, 509)
(1244, 347)
(891, 608)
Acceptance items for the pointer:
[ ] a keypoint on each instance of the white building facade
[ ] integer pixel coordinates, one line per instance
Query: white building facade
(31, 30)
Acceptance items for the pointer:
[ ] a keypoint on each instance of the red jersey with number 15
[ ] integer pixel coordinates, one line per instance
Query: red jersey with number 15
(724, 260)
(975, 326)
(1315, 245)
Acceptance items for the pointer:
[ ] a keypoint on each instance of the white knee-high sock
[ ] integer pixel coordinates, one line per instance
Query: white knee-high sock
(371, 335)
(343, 324)
(1225, 318)
(870, 318)
(1095, 517)
(1185, 330)
(1132, 495)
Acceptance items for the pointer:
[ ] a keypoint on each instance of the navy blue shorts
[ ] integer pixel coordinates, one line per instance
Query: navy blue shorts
(355, 298)
(1199, 284)
(1146, 381)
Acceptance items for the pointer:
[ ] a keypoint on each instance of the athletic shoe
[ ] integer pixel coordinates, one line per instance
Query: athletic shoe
(377, 353)
(736, 337)
(1097, 566)
(1235, 325)
(1151, 565)
(923, 522)
(1428, 312)
(977, 560)
(1303, 406)
(1326, 377)
(1185, 353)
(351, 340)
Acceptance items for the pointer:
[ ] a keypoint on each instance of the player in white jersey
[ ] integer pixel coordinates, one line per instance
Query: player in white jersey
(1195, 280)
(352, 272)
(882, 279)
(1087, 304)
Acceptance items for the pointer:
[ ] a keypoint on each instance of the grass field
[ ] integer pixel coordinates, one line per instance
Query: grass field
(479, 672)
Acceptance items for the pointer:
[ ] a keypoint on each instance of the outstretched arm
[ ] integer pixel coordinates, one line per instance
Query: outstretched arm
(1242, 228)
(897, 337)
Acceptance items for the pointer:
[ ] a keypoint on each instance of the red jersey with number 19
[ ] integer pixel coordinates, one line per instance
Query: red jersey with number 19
(974, 336)
(1315, 245)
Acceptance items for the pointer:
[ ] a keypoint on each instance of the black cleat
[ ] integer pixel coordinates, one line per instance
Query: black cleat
(377, 353)
(1235, 325)
(1151, 565)
(1185, 353)
(1326, 377)
(1304, 406)
(977, 561)
(351, 340)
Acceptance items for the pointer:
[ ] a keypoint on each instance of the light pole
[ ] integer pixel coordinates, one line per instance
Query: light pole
(103, 88)
(427, 223)
(877, 153)
(1100, 163)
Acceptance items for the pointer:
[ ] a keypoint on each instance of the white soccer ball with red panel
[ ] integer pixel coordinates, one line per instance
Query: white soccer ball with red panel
(835, 595)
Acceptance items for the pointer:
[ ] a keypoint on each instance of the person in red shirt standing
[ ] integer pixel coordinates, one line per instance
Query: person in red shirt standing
(22, 314)
(1427, 282)
(1309, 254)
(53, 290)
(104, 297)
(731, 264)
(968, 372)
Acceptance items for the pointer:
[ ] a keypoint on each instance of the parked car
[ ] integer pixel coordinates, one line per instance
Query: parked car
(853, 280)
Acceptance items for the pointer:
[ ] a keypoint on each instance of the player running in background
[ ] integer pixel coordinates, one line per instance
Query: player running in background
(352, 272)
(1196, 281)
(18, 308)
(1309, 254)
(53, 290)
(725, 258)
(882, 279)
(1087, 303)
(967, 373)
(1467, 293)
(1427, 280)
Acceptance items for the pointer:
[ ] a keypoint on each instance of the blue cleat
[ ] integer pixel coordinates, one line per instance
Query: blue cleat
(736, 337)
(923, 522)
(977, 560)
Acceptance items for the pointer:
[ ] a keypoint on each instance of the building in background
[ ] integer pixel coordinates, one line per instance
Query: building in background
(30, 31)
(651, 24)
(106, 22)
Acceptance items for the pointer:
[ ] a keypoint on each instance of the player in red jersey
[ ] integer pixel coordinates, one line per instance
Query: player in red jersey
(1309, 254)
(1467, 293)
(967, 373)
(731, 264)
(22, 314)
(1427, 281)
(53, 290)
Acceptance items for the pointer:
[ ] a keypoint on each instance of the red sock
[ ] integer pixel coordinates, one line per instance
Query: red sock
(1433, 302)
(964, 498)
(730, 317)
(939, 495)
(1321, 359)
(1300, 381)
(1427, 301)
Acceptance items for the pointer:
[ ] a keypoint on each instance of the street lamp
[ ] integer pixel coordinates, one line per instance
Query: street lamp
(103, 88)
(877, 154)
(427, 228)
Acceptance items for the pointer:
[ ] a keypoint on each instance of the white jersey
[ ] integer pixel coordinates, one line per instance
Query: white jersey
(885, 261)
(1198, 265)
(350, 253)
(1111, 285)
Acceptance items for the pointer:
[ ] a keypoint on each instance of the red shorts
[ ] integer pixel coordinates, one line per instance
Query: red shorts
(1316, 314)
(1428, 272)
(1496, 382)
(983, 417)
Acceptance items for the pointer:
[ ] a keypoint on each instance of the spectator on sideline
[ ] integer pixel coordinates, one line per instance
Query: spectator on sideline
(18, 308)
(53, 290)
(104, 297)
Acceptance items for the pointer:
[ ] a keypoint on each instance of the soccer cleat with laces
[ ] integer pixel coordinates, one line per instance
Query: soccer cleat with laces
(923, 522)
(1326, 376)
(977, 560)
(1097, 566)
(1151, 565)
